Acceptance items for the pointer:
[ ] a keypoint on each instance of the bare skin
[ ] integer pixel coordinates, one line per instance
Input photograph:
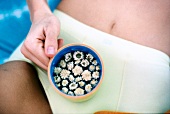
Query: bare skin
(146, 22)
(20, 90)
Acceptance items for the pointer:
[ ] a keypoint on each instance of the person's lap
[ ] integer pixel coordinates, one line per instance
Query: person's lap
(129, 69)
(129, 77)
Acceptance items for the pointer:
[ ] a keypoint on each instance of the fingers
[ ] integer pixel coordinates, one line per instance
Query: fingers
(52, 51)
(36, 55)
(60, 43)
(51, 44)
(41, 43)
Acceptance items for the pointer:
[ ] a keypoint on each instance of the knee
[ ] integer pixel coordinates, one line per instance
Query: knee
(16, 67)
(17, 70)
(20, 89)
(15, 73)
(15, 79)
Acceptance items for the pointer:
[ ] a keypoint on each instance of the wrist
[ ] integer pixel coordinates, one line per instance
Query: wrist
(38, 8)
(40, 14)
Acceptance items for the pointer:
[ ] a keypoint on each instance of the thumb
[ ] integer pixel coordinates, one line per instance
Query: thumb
(51, 44)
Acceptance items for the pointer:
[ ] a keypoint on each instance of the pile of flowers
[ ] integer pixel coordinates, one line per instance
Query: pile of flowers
(77, 73)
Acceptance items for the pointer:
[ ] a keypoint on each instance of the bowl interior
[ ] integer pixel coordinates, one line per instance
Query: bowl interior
(71, 49)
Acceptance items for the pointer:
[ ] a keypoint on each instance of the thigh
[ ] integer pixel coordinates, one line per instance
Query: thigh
(20, 89)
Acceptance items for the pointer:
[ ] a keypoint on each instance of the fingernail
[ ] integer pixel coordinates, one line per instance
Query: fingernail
(50, 50)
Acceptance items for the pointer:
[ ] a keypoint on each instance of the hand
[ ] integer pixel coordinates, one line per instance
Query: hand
(41, 43)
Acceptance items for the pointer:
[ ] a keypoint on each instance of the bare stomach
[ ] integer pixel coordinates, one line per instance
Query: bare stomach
(143, 22)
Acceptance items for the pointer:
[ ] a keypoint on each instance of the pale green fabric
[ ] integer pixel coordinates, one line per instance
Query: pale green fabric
(136, 78)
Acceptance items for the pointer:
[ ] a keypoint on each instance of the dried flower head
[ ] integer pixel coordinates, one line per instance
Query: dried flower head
(77, 62)
(78, 55)
(78, 79)
(71, 78)
(64, 73)
(65, 90)
(77, 70)
(97, 67)
(86, 75)
(91, 67)
(73, 85)
(89, 57)
(70, 65)
(93, 82)
(57, 79)
(64, 83)
(62, 63)
(84, 63)
(94, 62)
(79, 92)
(95, 75)
(88, 87)
(58, 85)
(68, 57)
(81, 83)
(57, 70)
(70, 93)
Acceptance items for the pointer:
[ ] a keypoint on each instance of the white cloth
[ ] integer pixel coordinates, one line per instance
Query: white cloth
(136, 78)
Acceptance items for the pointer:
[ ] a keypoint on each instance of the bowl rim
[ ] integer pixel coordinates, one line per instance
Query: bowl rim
(87, 94)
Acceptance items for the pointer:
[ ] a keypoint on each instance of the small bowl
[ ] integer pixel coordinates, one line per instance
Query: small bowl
(76, 72)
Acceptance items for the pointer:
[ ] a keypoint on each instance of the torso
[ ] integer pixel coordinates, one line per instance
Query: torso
(146, 22)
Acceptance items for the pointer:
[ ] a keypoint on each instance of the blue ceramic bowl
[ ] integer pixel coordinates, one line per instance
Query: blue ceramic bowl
(71, 49)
